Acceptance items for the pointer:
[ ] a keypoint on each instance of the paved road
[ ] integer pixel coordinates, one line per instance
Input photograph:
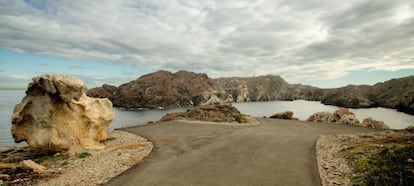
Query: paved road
(276, 152)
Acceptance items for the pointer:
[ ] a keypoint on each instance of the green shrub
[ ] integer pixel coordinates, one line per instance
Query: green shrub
(84, 154)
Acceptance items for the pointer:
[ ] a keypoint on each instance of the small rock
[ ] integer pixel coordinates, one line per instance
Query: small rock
(2, 176)
(8, 166)
(283, 115)
(410, 129)
(30, 164)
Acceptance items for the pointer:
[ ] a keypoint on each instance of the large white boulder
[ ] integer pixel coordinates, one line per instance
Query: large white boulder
(57, 116)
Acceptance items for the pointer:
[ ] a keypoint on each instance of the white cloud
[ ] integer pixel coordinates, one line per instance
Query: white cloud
(299, 40)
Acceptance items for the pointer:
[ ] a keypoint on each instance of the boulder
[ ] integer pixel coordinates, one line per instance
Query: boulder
(371, 123)
(215, 113)
(410, 129)
(340, 116)
(283, 115)
(57, 116)
(323, 117)
(345, 116)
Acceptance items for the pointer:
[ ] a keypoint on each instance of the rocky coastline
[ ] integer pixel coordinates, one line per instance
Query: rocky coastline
(164, 89)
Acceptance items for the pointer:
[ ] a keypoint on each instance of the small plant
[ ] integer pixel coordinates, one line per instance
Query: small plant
(64, 163)
(110, 138)
(84, 154)
(42, 159)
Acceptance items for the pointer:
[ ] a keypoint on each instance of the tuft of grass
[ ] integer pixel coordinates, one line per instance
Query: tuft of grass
(64, 163)
(110, 139)
(41, 159)
(84, 154)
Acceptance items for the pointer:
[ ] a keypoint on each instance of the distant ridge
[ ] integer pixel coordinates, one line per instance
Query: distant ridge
(166, 89)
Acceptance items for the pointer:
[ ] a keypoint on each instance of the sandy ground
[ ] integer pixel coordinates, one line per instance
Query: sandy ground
(275, 152)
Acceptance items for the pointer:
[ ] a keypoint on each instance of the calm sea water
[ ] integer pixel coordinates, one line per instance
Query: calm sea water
(302, 110)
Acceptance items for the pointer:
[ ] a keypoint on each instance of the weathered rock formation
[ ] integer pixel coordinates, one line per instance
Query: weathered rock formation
(56, 115)
(215, 113)
(169, 90)
(341, 116)
(344, 116)
(371, 123)
(283, 115)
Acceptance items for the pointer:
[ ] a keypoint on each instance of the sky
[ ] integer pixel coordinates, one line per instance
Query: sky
(324, 43)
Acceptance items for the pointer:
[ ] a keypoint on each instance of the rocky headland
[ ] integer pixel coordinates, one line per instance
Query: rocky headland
(164, 89)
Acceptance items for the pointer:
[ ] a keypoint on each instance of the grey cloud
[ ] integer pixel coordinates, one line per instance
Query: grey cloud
(230, 38)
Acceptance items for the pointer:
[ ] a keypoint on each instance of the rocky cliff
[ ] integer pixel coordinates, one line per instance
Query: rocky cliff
(165, 89)
(267, 88)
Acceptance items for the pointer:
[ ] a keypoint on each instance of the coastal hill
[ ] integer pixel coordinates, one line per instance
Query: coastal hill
(166, 89)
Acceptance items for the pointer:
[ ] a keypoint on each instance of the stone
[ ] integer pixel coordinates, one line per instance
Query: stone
(4, 176)
(30, 164)
(57, 116)
(371, 123)
(410, 129)
(283, 115)
(8, 165)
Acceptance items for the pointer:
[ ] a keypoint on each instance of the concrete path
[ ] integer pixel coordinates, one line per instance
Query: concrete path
(276, 152)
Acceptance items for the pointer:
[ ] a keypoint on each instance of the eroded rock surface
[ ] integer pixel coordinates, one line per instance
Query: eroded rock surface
(215, 113)
(56, 115)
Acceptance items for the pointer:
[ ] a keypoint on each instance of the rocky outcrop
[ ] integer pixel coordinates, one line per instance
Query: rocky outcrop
(283, 115)
(169, 90)
(216, 113)
(105, 91)
(341, 116)
(56, 115)
(371, 123)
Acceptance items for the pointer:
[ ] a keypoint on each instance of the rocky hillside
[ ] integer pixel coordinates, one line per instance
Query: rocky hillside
(267, 88)
(165, 89)
(395, 93)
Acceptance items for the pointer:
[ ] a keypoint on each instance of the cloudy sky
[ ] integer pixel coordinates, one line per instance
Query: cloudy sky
(326, 43)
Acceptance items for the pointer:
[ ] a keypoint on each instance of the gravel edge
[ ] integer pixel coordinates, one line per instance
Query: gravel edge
(120, 153)
(333, 168)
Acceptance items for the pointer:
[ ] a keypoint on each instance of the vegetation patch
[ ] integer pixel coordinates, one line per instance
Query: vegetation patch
(84, 154)
(381, 164)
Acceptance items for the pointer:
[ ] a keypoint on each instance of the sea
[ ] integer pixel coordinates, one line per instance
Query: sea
(124, 118)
